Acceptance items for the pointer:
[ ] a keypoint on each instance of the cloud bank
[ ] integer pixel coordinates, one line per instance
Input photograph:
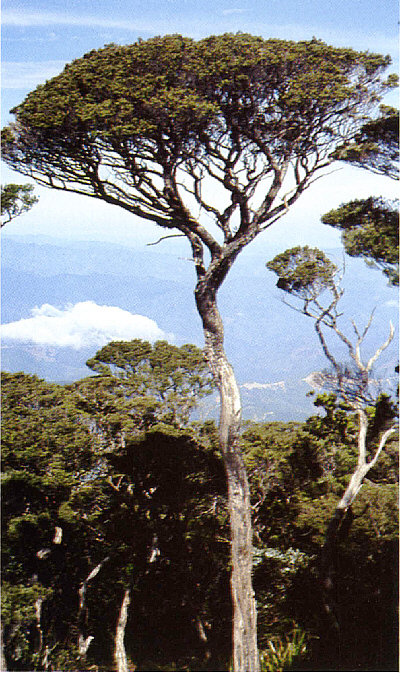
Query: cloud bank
(82, 325)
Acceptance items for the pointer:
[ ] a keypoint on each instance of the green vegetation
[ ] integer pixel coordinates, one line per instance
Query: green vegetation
(370, 229)
(94, 509)
(16, 200)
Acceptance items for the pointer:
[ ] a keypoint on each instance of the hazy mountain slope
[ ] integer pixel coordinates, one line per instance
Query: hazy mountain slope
(265, 340)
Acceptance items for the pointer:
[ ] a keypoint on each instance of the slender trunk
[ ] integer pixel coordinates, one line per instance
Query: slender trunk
(245, 652)
(84, 642)
(3, 665)
(342, 518)
(120, 653)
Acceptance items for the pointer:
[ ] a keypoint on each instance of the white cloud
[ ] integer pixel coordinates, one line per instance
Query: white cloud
(81, 325)
(226, 12)
(34, 19)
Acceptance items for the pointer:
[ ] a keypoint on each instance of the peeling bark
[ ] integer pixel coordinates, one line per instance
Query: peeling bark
(84, 643)
(245, 652)
(120, 653)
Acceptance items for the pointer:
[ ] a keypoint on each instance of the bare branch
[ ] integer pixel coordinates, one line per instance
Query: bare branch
(381, 349)
(382, 444)
(163, 238)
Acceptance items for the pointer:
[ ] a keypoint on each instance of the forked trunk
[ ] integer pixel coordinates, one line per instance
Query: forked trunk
(245, 652)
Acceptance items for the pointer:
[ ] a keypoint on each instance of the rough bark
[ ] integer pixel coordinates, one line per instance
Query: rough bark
(120, 657)
(245, 652)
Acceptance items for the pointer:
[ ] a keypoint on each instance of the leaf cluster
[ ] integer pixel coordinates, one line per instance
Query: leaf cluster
(376, 146)
(304, 272)
(370, 229)
(16, 200)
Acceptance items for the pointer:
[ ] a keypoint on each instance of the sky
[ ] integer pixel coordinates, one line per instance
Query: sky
(39, 37)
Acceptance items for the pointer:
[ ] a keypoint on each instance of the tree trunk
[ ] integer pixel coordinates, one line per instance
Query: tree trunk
(3, 665)
(120, 653)
(342, 518)
(245, 652)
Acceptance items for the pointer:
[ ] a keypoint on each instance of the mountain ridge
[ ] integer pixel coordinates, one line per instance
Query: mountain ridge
(268, 344)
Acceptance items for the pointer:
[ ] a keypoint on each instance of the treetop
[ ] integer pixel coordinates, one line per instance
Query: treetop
(303, 271)
(142, 126)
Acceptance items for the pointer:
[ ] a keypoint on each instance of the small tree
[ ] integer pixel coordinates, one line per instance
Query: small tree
(157, 128)
(307, 274)
(370, 229)
(16, 200)
(167, 381)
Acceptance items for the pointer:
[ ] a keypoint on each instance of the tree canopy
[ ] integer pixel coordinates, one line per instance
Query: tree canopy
(303, 271)
(121, 123)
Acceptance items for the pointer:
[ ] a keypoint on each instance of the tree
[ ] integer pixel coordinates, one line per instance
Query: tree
(16, 200)
(309, 275)
(370, 229)
(162, 382)
(156, 128)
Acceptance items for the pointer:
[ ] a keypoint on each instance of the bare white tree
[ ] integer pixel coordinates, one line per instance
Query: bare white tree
(314, 281)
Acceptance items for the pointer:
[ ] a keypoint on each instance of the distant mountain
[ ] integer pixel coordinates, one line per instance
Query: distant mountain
(272, 348)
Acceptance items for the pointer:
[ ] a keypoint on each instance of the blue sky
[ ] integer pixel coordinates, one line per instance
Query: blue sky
(39, 37)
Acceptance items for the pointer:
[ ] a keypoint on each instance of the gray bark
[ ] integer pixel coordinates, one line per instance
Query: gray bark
(84, 643)
(2, 656)
(120, 652)
(245, 652)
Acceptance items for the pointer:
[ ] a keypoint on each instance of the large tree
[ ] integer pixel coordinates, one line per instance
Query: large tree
(228, 132)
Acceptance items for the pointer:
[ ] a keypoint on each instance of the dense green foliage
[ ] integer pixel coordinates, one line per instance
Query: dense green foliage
(16, 200)
(303, 271)
(161, 382)
(146, 505)
(121, 123)
(370, 229)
